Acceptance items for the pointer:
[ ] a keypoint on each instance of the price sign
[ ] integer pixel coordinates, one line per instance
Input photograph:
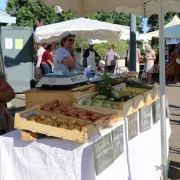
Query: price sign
(118, 141)
(103, 153)
(156, 111)
(132, 126)
(145, 118)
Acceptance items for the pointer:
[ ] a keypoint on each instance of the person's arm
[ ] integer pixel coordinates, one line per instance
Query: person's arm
(8, 118)
(64, 56)
(86, 53)
(172, 54)
(6, 91)
(153, 57)
(97, 55)
(48, 59)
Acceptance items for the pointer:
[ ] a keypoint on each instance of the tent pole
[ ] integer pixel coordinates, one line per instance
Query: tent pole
(162, 92)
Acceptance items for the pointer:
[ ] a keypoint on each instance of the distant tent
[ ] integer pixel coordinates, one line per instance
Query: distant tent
(6, 18)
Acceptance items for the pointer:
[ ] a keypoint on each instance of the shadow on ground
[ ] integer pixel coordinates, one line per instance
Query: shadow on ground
(174, 172)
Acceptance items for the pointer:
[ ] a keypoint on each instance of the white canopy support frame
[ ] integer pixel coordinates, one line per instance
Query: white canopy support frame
(163, 92)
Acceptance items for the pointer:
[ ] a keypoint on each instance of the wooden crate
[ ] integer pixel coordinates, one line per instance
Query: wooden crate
(88, 129)
(130, 106)
(40, 96)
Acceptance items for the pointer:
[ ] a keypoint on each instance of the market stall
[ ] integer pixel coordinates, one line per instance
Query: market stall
(93, 134)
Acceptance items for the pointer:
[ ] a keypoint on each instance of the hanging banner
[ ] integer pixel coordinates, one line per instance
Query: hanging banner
(117, 141)
(132, 126)
(103, 153)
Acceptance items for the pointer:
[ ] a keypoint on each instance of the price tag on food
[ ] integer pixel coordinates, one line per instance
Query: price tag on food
(103, 153)
(156, 111)
(118, 141)
(132, 126)
(145, 114)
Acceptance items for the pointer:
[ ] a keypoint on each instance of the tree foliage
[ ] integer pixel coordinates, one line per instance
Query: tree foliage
(153, 22)
(116, 18)
(27, 13)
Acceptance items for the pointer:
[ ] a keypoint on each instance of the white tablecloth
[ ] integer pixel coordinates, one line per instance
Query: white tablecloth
(55, 159)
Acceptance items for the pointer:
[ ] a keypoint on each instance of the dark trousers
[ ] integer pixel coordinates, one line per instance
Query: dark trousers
(45, 68)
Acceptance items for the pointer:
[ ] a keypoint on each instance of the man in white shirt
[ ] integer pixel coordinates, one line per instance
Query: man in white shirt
(40, 52)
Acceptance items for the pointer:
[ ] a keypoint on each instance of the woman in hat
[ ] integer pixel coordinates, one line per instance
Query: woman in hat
(65, 60)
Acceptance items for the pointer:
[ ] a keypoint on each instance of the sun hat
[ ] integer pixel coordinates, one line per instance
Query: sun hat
(66, 35)
(90, 42)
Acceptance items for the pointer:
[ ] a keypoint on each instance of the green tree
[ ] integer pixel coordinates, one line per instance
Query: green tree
(27, 13)
(153, 22)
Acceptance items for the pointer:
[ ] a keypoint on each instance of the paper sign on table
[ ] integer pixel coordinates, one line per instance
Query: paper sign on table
(156, 111)
(103, 153)
(8, 43)
(118, 141)
(18, 44)
(145, 114)
(132, 126)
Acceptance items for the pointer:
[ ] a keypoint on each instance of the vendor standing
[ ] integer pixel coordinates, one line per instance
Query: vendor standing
(90, 56)
(47, 65)
(65, 60)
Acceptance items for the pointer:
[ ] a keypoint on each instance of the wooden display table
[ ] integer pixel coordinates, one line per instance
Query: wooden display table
(41, 96)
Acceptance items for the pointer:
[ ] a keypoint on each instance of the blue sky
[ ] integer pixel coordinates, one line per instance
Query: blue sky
(3, 7)
(3, 4)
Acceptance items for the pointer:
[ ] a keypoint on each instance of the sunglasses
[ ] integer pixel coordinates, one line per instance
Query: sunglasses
(70, 40)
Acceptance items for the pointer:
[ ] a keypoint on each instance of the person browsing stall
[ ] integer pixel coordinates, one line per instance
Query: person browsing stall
(90, 56)
(111, 58)
(150, 58)
(47, 65)
(65, 60)
(6, 95)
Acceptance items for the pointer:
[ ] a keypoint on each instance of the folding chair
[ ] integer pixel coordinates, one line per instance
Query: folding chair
(142, 70)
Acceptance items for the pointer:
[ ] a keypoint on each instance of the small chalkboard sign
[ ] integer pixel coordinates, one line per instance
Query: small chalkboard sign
(132, 126)
(145, 118)
(103, 153)
(118, 141)
(156, 107)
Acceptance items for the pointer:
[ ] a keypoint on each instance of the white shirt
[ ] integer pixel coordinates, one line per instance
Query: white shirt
(40, 52)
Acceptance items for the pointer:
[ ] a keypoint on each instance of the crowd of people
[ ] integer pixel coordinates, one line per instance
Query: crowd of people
(64, 59)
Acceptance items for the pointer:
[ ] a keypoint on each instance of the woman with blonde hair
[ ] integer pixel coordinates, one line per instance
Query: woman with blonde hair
(150, 58)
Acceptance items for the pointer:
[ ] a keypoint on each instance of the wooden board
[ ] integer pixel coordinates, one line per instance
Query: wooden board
(89, 127)
(131, 106)
(39, 96)
(30, 136)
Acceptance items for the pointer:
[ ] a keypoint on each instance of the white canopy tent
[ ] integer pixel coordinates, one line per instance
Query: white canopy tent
(83, 28)
(169, 32)
(144, 8)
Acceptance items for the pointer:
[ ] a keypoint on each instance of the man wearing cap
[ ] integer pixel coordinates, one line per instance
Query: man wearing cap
(90, 55)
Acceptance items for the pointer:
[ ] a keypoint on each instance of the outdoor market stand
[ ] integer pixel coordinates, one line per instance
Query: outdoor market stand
(125, 148)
